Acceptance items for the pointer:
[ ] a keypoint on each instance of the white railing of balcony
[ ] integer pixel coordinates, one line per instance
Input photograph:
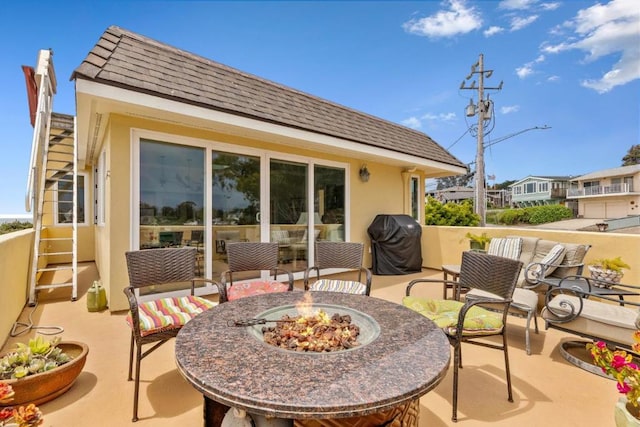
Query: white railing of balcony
(600, 190)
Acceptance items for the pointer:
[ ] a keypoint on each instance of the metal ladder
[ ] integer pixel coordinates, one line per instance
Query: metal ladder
(53, 187)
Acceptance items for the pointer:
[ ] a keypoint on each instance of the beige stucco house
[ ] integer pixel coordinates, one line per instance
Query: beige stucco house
(607, 193)
(175, 149)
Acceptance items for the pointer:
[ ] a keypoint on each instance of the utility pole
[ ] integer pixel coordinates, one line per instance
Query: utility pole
(484, 110)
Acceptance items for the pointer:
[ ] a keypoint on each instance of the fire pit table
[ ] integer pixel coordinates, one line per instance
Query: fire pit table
(403, 356)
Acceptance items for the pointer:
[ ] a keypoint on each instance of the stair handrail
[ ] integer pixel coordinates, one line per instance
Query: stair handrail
(42, 113)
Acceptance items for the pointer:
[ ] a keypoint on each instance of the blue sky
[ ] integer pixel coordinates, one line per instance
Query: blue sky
(571, 65)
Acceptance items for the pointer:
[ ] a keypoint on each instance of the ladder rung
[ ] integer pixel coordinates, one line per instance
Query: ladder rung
(55, 269)
(54, 253)
(54, 286)
(49, 239)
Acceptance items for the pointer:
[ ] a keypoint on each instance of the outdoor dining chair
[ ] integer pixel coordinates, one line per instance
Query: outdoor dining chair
(470, 321)
(343, 255)
(252, 257)
(158, 320)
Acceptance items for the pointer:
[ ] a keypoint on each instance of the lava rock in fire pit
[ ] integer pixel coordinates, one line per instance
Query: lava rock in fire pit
(316, 333)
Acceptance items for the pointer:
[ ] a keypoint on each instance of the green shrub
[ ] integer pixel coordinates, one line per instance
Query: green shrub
(511, 216)
(456, 214)
(548, 213)
(9, 227)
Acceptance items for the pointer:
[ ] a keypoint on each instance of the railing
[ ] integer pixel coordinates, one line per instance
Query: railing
(601, 190)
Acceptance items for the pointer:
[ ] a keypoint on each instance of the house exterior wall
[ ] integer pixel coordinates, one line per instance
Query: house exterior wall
(555, 192)
(384, 193)
(610, 198)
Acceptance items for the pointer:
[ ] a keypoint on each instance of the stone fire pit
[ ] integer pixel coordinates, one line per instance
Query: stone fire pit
(405, 356)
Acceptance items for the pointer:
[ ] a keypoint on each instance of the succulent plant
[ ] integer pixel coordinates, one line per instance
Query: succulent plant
(39, 355)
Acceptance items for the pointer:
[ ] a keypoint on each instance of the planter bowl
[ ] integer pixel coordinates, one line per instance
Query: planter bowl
(46, 386)
(598, 274)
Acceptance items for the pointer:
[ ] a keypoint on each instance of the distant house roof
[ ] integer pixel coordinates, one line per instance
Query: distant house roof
(542, 178)
(454, 193)
(131, 61)
(606, 173)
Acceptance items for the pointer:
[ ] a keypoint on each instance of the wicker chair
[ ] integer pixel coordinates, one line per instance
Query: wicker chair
(253, 257)
(469, 321)
(346, 255)
(159, 320)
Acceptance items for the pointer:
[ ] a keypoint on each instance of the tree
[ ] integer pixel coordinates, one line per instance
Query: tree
(632, 157)
(502, 185)
(453, 181)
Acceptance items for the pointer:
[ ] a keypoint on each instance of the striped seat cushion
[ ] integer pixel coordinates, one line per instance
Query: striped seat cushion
(255, 287)
(550, 261)
(165, 314)
(444, 313)
(506, 247)
(344, 286)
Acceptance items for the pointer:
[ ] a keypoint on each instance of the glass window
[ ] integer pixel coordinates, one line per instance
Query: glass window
(171, 195)
(289, 213)
(101, 182)
(543, 186)
(235, 203)
(414, 192)
(329, 200)
(64, 201)
(530, 187)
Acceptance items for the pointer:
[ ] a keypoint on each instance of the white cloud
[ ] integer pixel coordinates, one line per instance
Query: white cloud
(550, 6)
(553, 79)
(516, 4)
(492, 31)
(457, 19)
(603, 30)
(416, 122)
(442, 117)
(527, 69)
(519, 23)
(509, 109)
(412, 122)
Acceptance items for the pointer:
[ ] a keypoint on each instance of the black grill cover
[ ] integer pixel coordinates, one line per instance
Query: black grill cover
(395, 244)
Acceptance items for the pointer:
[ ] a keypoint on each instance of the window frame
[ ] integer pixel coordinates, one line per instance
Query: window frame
(84, 201)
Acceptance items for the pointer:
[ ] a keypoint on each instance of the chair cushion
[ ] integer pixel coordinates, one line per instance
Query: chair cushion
(507, 247)
(444, 313)
(345, 286)
(552, 259)
(280, 236)
(168, 313)
(573, 255)
(255, 287)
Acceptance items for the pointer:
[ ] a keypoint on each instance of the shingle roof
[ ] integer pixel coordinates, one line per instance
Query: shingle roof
(608, 173)
(128, 60)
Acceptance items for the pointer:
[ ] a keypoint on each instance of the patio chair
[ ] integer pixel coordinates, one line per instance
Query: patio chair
(158, 320)
(525, 301)
(471, 321)
(347, 255)
(253, 257)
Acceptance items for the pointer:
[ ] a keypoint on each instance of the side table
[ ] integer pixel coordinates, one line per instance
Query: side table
(452, 270)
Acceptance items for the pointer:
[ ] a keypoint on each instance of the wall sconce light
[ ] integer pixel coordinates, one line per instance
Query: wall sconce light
(364, 173)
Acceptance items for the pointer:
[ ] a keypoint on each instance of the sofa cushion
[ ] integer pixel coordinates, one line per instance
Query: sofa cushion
(550, 261)
(609, 322)
(574, 254)
(507, 247)
(527, 248)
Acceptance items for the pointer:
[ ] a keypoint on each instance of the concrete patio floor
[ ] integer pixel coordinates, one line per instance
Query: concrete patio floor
(547, 389)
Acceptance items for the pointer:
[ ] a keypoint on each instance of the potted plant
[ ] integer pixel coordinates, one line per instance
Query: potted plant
(478, 241)
(621, 367)
(23, 416)
(41, 370)
(605, 270)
